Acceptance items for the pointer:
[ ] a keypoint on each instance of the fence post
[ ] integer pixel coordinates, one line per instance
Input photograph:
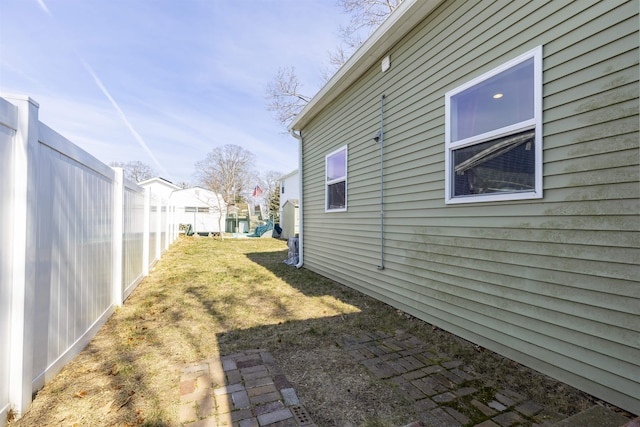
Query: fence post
(118, 224)
(145, 245)
(24, 255)
(174, 226)
(158, 229)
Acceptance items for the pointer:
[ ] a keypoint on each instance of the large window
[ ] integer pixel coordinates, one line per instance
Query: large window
(494, 134)
(336, 180)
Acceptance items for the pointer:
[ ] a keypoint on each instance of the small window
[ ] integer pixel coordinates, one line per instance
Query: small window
(203, 210)
(190, 209)
(336, 180)
(494, 134)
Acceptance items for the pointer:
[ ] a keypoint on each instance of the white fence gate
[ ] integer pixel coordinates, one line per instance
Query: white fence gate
(75, 240)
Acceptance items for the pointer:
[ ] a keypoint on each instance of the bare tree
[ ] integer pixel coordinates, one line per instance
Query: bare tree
(135, 170)
(283, 92)
(271, 193)
(337, 58)
(366, 15)
(227, 170)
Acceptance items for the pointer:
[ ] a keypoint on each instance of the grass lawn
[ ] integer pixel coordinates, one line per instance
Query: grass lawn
(207, 298)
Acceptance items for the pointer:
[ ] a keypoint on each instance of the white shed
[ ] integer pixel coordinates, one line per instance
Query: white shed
(203, 209)
(289, 192)
(289, 219)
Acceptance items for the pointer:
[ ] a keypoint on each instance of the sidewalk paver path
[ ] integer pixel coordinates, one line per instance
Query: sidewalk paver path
(244, 389)
(443, 391)
(248, 389)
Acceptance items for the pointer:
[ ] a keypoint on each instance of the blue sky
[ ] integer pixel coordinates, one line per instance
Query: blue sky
(165, 81)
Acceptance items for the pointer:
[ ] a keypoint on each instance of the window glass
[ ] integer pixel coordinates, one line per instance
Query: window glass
(336, 199)
(494, 134)
(497, 102)
(498, 166)
(336, 180)
(337, 165)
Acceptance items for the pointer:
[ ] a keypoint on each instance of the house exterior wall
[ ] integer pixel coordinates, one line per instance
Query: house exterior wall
(551, 283)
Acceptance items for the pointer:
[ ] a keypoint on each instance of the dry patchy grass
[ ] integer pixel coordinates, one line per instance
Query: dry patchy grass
(207, 298)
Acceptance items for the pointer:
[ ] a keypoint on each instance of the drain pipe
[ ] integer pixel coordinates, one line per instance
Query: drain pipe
(379, 138)
(298, 136)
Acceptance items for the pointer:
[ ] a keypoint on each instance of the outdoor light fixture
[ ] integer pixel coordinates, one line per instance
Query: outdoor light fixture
(498, 96)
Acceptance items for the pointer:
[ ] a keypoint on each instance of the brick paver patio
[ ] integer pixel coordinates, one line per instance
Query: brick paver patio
(243, 389)
(443, 391)
(248, 389)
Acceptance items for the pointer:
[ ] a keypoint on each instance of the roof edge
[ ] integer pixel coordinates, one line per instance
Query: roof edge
(288, 175)
(396, 26)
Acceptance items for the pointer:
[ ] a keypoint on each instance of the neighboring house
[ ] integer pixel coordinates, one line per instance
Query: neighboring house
(476, 164)
(289, 192)
(203, 209)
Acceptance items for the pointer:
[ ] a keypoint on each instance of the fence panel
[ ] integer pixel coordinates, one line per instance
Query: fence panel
(163, 226)
(133, 237)
(154, 234)
(75, 240)
(74, 253)
(7, 132)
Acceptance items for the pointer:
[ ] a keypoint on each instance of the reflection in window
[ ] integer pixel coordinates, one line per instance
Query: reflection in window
(493, 138)
(502, 165)
(499, 101)
(336, 180)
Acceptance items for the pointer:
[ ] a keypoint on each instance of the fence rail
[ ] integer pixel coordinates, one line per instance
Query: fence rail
(76, 238)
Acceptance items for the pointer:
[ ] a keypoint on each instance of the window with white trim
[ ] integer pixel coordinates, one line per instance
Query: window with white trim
(494, 134)
(336, 180)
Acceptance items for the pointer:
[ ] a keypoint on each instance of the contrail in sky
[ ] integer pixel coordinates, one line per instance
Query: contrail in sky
(44, 7)
(106, 93)
(135, 134)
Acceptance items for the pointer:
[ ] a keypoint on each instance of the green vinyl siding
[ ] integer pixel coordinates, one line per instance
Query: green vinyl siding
(551, 283)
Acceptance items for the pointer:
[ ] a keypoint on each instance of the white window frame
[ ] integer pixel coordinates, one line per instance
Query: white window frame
(534, 124)
(328, 182)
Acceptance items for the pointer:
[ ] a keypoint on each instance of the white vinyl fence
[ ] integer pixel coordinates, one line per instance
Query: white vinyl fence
(75, 240)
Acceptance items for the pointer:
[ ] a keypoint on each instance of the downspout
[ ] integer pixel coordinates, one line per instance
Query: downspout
(298, 136)
(379, 138)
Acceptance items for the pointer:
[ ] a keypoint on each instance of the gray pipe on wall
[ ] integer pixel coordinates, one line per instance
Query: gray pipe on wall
(379, 138)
